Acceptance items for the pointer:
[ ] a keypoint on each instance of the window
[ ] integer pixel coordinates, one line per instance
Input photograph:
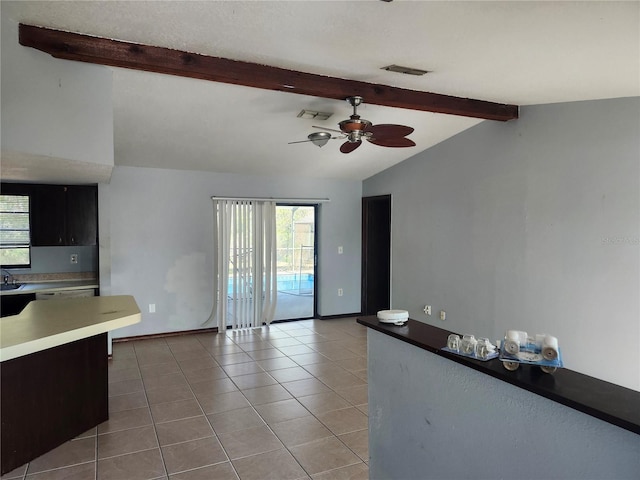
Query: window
(14, 231)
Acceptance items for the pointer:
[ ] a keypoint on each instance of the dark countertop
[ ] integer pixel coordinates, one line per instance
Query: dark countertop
(612, 403)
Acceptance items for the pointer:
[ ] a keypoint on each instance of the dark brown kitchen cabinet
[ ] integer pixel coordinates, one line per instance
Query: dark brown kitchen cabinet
(64, 215)
(14, 304)
(48, 216)
(82, 215)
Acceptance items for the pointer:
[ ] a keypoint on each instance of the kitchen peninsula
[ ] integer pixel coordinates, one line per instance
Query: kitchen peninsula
(54, 378)
(433, 414)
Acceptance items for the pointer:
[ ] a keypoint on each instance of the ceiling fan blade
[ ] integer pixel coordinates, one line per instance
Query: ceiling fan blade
(393, 142)
(348, 147)
(386, 130)
(328, 129)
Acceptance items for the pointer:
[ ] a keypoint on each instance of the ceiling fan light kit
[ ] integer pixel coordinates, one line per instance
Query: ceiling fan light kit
(319, 138)
(355, 129)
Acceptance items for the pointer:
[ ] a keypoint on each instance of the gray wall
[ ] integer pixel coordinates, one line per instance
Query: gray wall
(530, 225)
(58, 260)
(158, 240)
(430, 417)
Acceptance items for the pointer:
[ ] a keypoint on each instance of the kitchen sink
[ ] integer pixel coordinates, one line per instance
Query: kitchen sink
(9, 286)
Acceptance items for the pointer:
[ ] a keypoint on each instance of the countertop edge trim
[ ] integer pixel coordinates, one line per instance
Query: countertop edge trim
(117, 311)
(37, 345)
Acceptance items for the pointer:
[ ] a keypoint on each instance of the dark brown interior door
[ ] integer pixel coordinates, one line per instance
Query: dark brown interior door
(376, 254)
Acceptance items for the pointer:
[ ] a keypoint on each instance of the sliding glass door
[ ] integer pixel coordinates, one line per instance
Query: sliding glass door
(296, 241)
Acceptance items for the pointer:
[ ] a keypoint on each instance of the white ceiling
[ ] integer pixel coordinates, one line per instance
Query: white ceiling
(513, 52)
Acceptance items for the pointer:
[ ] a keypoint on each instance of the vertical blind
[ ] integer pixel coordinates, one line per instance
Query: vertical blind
(245, 270)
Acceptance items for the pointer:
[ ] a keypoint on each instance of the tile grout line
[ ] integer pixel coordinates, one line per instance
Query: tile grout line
(258, 413)
(226, 454)
(155, 432)
(228, 458)
(334, 435)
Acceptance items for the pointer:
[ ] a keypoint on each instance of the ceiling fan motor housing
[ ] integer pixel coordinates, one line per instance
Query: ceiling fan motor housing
(354, 128)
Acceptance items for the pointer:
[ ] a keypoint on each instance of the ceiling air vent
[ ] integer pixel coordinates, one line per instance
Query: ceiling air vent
(314, 115)
(405, 70)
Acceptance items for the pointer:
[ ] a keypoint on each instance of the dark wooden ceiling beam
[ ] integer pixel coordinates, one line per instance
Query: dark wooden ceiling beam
(115, 53)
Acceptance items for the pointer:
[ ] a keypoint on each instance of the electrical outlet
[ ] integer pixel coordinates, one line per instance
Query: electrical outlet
(74, 258)
(443, 315)
(152, 308)
(427, 309)
(340, 250)
(340, 292)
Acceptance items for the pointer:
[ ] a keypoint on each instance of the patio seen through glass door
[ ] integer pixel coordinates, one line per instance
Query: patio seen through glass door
(295, 227)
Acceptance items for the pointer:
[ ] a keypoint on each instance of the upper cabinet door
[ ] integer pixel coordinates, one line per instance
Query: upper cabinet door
(48, 215)
(82, 215)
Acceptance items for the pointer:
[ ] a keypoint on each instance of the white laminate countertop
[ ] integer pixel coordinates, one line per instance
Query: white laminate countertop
(48, 323)
(48, 287)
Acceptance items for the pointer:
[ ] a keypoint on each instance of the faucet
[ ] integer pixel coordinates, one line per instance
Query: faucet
(6, 276)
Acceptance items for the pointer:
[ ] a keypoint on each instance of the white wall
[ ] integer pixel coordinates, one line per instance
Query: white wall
(159, 244)
(533, 225)
(55, 113)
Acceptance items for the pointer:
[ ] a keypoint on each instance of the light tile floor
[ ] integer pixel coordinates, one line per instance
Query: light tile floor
(283, 402)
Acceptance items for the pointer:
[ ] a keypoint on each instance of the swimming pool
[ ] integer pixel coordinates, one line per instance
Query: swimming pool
(291, 282)
(295, 281)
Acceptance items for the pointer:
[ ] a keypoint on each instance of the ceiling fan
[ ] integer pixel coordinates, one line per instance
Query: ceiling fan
(355, 129)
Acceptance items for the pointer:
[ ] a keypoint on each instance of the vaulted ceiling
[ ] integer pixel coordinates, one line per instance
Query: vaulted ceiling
(513, 53)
